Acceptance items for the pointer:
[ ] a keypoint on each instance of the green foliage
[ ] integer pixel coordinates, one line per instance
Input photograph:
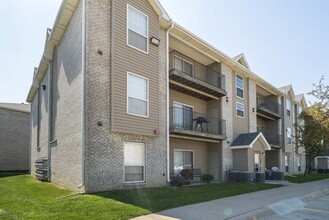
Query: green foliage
(207, 177)
(186, 173)
(23, 197)
(313, 124)
(177, 181)
(308, 178)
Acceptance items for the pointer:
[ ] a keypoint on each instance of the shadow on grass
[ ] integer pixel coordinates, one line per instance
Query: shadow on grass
(13, 173)
(158, 199)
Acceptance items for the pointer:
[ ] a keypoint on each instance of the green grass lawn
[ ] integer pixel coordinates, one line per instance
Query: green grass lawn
(23, 197)
(308, 178)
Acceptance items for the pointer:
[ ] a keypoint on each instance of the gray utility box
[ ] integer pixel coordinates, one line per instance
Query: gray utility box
(245, 177)
(277, 175)
(41, 168)
(260, 177)
(233, 176)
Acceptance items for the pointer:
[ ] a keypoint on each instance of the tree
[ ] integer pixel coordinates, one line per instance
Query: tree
(313, 124)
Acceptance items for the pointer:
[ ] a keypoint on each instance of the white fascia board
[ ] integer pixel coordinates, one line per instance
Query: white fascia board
(241, 147)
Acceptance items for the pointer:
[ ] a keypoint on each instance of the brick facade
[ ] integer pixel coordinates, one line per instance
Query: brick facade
(14, 140)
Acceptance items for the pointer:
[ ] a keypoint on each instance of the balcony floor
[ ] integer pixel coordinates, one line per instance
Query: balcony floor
(196, 134)
(195, 84)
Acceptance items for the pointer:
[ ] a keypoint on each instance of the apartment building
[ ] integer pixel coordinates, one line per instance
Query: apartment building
(125, 97)
(14, 136)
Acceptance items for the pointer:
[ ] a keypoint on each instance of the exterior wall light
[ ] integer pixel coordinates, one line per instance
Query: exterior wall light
(155, 41)
(44, 87)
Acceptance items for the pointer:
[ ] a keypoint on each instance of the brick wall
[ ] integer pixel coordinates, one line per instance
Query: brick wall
(14, 140)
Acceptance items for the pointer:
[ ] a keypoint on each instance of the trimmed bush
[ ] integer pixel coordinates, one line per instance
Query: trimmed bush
(207, 177)
(177, 181)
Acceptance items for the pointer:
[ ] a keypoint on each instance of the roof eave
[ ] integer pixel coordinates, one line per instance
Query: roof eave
(217, 55)
(53, 37)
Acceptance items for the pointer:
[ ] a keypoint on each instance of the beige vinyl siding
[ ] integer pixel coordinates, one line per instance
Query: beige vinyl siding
(240, 160)
(130, 59)
(199, 152)
(272, 158)
(240, 125)
(258, 147)
(198, 104)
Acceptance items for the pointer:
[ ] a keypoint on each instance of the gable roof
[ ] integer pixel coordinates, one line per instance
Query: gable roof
(248, 140)
(16, 107)
(242, 60)
(286, 89)
(300, 98)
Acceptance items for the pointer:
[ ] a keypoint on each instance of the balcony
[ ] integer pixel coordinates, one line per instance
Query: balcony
(268, 109)
(184, 121)
(193, 78)
(273, 139)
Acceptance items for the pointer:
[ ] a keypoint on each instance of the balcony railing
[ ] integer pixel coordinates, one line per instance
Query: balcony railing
(196, 75)
(273, 139)
(186, 121)
(269, 107)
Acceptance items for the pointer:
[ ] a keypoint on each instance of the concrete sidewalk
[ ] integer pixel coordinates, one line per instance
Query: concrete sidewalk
(245, 206)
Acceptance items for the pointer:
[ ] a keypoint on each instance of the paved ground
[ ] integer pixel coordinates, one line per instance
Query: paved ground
(316, 209)
(287, 202)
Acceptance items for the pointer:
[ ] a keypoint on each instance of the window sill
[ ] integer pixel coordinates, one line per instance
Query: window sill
(134, 184)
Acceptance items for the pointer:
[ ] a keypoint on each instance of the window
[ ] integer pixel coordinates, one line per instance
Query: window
(286, 163)
(288, 104)
(182, 160)
(137, 29)
(289, 135)
(299, 159)
(134, 162)
(239, 86)
(183, 65)
(300, 109)
(183, 116)
(138, 96)
(240, 109)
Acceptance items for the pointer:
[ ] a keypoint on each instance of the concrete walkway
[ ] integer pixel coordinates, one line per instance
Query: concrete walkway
(247, 206)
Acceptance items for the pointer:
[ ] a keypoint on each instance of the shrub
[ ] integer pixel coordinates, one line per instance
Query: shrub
(207, 177)
(177, 181)
(186, 173)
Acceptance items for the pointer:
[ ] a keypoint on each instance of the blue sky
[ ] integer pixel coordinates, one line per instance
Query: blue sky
(285, 42)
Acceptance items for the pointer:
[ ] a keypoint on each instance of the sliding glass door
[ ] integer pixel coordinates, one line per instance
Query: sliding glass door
(183, 116)
(182, 160)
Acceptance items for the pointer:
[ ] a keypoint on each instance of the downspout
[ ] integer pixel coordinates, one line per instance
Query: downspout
(50, 97)
(83, 93)
(167, 93)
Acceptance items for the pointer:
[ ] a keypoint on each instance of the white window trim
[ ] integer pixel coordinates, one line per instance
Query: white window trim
(148, 96)
(236, 109)
(127, 30)
(144, 173)
(289, 133)
(180, 103)
(236, 86)
(184, 60)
